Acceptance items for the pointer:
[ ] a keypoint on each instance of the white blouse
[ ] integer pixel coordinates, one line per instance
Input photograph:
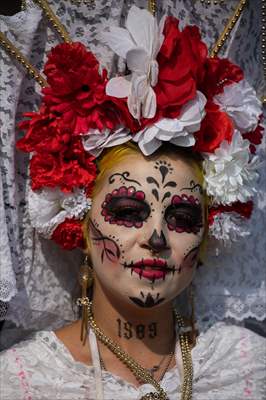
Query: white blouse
(229, 364)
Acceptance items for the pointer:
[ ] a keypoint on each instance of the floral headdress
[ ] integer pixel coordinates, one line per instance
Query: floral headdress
(173, 92)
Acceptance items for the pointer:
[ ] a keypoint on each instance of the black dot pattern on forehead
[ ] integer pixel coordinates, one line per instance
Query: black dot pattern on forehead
(164, 164)
(164, 167)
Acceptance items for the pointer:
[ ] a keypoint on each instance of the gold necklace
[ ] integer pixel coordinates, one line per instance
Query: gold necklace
(140, 373)
(152, 370)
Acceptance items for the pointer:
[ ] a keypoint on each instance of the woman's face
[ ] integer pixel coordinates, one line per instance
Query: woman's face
(146, 226)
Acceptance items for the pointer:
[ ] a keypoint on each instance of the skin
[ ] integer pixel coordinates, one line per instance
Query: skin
(125, 294)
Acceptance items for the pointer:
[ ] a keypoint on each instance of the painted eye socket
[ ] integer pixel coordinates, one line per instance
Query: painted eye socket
(184, 217)
(127, 209)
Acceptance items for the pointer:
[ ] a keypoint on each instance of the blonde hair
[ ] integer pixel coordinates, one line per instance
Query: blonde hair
(111, 158)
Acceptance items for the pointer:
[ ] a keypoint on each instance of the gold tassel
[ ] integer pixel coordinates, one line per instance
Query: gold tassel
(86, 281)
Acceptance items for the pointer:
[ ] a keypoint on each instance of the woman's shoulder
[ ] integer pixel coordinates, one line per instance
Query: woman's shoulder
(40, 364)
(231, 359)
(223, 339)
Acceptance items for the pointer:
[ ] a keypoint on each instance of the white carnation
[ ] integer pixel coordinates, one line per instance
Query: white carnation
(240, 102)
(50, 207)
(229, 173)
(228, 227)
(178, 131)
(96, 141)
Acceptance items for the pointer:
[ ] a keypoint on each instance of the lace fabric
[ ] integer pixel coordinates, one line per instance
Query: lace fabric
(37, 278)
(228, 364)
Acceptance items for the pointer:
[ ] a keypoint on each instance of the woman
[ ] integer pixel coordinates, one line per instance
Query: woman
(144, 234)
(147, 218)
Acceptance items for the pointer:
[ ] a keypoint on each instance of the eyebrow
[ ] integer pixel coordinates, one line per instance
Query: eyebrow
(124, 175)
(193, 187)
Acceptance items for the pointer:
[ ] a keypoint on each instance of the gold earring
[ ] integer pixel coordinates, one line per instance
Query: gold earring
(86, 281)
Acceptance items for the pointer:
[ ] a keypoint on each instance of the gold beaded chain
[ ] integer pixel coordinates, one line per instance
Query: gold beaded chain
(14, 52)
(228, 28)
(152, 7)
(263, 41)
(52, 18)
(141, 373)
(165, 369)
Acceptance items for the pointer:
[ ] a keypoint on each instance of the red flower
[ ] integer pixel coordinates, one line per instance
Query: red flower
(181, 61)
(67, 170)
(255, 137)
(243, 209)
(218, 74)
(77, 91)
(44, 133)
(69, 234)
(215, 128)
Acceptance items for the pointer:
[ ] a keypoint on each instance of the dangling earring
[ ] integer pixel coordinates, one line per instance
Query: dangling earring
(192, 320)
(86, 281)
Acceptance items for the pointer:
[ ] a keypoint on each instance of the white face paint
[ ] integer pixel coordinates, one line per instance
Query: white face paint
(146, 225)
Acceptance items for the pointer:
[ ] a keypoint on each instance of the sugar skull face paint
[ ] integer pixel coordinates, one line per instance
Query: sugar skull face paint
(184, 214)
(147, 226)
(125, 206)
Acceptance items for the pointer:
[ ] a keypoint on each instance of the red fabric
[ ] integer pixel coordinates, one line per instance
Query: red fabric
(218, 74)
(215, 128)
(181, 65)
(243, 209)
(69, 234)
(181, 60)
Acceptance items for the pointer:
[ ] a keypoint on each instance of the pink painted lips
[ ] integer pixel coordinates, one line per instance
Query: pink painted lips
(151, 269)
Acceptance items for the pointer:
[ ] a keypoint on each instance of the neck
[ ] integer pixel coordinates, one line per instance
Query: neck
(134, 328)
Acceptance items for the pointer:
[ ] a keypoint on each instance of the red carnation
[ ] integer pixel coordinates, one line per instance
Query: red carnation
(69, 234)
(218, 74)
(181, 60)
(215, 128)
(243, 209)
(67, 170)
(77, 91)
(44, 133)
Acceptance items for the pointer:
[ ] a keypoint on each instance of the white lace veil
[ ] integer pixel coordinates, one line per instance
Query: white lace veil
(37, 279)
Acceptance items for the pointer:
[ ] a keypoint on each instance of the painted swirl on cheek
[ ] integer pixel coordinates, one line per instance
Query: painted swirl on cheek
(184, 214)
(190, 258)
(125, 207)
(108, 247)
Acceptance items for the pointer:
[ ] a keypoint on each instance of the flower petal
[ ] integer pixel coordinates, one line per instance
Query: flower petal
(148, 33)
(118, 87)
(119, 40)
(149, 104)
(138, 60)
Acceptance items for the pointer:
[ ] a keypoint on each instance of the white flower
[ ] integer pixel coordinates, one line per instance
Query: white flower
(228, 227)
(229, 173)
(178, 131)
(139, 45)
(50, 207)
(240, 102)
(96, 141)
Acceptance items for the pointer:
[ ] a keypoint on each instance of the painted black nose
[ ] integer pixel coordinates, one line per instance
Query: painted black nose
(157, 242)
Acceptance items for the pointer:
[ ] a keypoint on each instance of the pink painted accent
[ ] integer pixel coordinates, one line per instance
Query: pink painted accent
(22, 376)
(243, 354)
